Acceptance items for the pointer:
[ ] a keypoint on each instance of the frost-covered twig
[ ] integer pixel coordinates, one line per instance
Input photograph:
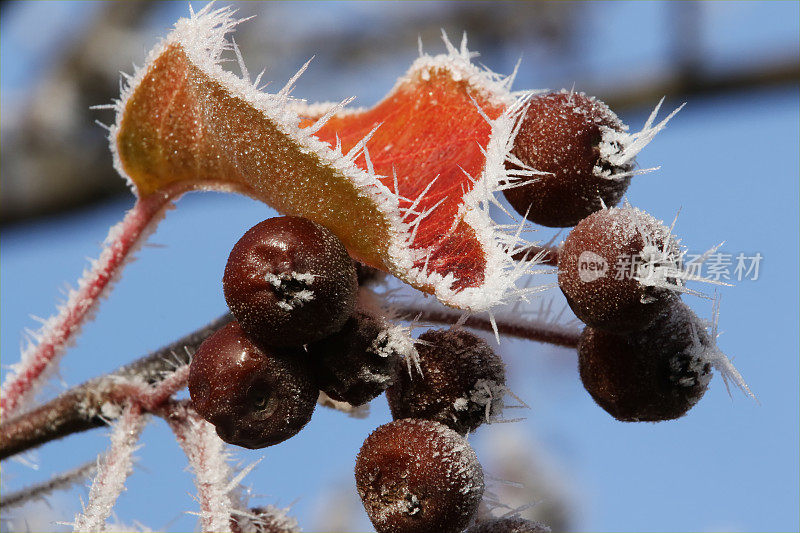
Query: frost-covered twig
(540, 331)
(60, 481)
(209, 461)
(49, 343)
(152, 397)
(82, 407)
(112, 471)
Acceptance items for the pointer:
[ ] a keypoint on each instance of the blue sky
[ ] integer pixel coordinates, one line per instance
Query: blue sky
(730, 163)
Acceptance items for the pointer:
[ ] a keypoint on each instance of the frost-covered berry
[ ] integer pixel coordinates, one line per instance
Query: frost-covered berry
(570, 136)
(254, 397)
(651, 375)
(289, 281)
(509, 525)
(418, 476)
(462, 383)
(609, 265)
(358, 362)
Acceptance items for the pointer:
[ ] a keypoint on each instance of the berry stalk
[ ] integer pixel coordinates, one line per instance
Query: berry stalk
(209, 461)
(112, 471)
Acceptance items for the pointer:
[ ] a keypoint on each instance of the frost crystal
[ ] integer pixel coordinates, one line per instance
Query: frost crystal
(489, 394)
(292, 287)
(711, 353)
(663, 265)
(619, 148)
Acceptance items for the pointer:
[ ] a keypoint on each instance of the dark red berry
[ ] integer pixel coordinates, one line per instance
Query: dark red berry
(418, 476)
(289, 281)
(651, 375)
(358, 362)
(462, 382)
(254, 397)
(561, 134)
(600, 261)
(509, 525)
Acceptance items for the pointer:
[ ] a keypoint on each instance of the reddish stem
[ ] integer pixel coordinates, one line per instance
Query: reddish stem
(123, 239)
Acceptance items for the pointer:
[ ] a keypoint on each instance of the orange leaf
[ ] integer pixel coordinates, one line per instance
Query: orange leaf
(405, 185)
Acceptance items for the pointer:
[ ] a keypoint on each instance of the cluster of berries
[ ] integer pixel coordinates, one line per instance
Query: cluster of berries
(292, 288)
(299, 329)
(418, 473)
(643, 353)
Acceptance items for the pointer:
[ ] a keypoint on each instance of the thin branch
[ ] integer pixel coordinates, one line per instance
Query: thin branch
(542, 331)
(81, 408)
(39, 359)
(40, 490)
(679, 86)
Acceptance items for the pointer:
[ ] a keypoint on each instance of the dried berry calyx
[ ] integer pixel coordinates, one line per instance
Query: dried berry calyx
(572, 138)
(418, 476)
(611, 269)
(462, 382)
(255, 397)
(509, 525)
(289, 281)
(651, 375)
(358, 362)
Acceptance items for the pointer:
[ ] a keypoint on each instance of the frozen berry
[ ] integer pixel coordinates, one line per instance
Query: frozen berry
(358, 362)
(651, 375)
(289, 281)
(561, 134)
(601, 267)
(254, 397)
(462, 383)
(509, 525)
(418, 476)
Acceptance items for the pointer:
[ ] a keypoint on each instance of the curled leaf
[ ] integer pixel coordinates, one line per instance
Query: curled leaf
(405, 185)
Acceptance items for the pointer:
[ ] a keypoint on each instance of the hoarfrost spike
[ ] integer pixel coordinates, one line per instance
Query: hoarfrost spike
(287, 89)
(240, 61)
